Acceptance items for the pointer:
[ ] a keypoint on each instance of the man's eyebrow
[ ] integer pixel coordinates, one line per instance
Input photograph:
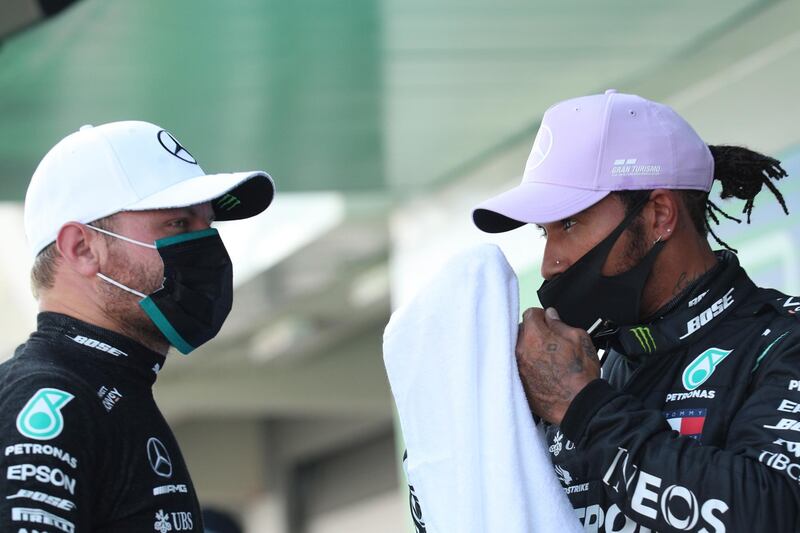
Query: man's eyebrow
(540, 226)
(193, 211)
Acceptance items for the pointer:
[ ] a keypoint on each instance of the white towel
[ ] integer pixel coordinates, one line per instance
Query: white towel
(475, 457)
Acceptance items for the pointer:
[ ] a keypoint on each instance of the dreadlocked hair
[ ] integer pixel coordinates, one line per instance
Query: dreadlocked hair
(742, 173)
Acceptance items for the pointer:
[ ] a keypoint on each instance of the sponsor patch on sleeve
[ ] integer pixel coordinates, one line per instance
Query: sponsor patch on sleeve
(40, 418)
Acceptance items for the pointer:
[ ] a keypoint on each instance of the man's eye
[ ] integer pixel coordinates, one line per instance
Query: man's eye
(567, 224)
(180, 223)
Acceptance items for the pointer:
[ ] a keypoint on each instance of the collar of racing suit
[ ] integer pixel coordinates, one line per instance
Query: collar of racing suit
(107, 347)
(688, 317)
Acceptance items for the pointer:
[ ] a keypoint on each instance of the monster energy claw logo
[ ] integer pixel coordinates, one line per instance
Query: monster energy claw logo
(41, 418)
(702, 367)
(228, 202)
(645, 338)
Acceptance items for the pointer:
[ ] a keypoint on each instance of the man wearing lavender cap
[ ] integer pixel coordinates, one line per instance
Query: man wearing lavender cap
(694, 424)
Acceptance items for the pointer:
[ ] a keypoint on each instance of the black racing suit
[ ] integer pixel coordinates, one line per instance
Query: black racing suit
(695, 426)
(83, 446)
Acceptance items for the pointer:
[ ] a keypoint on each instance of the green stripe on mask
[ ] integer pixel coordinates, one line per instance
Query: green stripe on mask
(165, 327)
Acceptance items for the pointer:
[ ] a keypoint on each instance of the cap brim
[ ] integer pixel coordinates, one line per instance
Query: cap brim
(532, 203)
(234, 196)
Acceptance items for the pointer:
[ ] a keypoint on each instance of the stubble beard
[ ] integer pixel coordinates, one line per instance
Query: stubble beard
(637, 246)
(123, 307)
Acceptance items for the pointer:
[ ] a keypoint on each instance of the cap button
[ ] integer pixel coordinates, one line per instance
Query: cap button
(611, 91)
(86, 127)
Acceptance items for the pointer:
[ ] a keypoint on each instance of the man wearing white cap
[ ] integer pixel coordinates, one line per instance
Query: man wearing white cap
(694, 424)
(126, 265)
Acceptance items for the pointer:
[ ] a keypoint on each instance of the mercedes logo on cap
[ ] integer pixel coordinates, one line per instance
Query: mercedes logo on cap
(159, 458)
(171, 145)
(541, 147)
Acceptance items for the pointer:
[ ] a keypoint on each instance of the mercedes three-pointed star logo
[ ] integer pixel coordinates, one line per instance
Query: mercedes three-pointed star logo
(541, 147)
(159, 458)
(171, 145)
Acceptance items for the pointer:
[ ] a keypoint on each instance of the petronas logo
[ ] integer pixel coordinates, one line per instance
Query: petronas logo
(702, 367)
(228, 202)
(41, 418)
(645, 338)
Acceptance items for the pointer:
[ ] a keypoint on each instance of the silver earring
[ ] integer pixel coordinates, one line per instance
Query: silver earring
(658, 240)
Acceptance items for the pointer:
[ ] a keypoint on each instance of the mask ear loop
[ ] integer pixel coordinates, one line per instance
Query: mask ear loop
(619, 230)
(122, 237)
(127, 239)
(121, 286)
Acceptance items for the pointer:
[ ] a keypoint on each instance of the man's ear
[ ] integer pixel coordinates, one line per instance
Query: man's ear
(80, 248)
(664, 204)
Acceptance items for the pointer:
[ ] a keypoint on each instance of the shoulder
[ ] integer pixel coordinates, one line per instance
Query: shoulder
(22, 372)
(783, 305)
(771, 302)
(36, 400)
(779, 350)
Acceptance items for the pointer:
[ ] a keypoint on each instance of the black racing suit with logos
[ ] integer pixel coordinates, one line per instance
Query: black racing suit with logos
(83, 446)
(695, 424)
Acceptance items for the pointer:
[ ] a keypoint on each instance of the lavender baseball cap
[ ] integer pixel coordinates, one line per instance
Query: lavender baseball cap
(588, 147)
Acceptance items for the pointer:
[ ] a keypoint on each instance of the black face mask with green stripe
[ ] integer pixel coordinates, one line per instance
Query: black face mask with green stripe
(197, 293)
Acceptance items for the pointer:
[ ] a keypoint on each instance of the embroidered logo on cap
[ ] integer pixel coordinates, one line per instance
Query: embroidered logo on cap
(629, 167)
(541, 147)
(228, 202)
(171, 145)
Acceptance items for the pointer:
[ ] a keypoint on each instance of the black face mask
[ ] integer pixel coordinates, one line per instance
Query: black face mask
(197, 293)
(585, 299)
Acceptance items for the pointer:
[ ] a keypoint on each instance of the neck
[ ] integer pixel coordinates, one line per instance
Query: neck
(77, 307)
(681, 262)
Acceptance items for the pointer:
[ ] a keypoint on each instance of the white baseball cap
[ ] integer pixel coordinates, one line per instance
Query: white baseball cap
(130, 166)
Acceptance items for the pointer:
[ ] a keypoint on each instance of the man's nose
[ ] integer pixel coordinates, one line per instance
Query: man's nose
(201, 217)
(198, 224)
(552, 265)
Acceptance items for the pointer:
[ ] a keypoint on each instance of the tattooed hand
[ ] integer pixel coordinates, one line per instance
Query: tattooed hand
(555, 362)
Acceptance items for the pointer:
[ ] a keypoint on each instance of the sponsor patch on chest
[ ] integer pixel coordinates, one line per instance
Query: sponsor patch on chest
(688, 422)
(705, 394)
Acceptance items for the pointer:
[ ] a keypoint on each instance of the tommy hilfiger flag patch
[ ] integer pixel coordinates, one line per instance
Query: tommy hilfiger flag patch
(688, 422)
